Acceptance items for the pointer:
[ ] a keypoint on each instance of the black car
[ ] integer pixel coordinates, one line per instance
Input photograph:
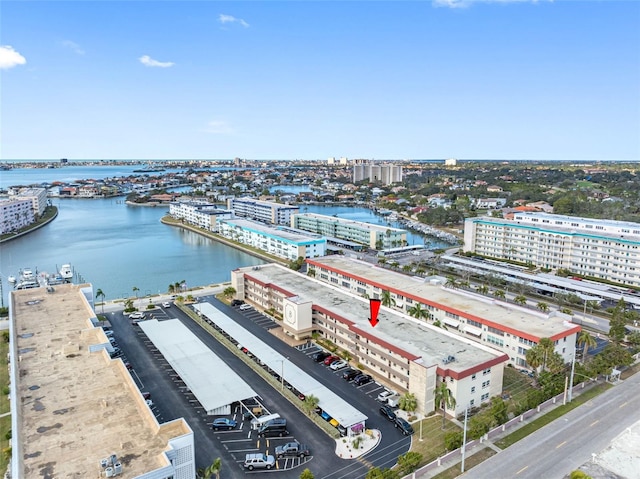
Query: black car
(362, 379)
(320, 356)
(387, 412)
(404, 426)
(237, 302)
(349, 374)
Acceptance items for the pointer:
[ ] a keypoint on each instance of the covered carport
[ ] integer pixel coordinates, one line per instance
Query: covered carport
(214, 384)
(347, 416)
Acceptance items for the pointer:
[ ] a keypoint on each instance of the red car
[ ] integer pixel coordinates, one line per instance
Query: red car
(330, 359)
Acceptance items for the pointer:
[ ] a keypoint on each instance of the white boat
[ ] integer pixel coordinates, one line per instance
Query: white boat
(27, 274)
(66, 272)
(11, 279)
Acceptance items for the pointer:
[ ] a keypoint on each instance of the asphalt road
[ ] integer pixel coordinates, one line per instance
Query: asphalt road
(567, 443)
(171, 400)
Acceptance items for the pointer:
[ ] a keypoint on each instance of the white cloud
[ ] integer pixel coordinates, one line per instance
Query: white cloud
(231, 19)
(73, 46)
(147, 61)
(466, 3)
(218, 127)
(9, 58)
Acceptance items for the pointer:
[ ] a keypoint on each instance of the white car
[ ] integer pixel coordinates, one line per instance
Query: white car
(244, 307)
(338, 364)
(384, 395)
(136, 315)
(166, 304)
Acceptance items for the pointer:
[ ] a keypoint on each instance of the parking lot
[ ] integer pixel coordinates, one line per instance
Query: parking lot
(172, 399)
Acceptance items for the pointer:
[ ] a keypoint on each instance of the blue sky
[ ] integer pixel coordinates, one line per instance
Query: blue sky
(311, 80)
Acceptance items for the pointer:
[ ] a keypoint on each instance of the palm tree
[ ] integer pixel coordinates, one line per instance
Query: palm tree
(310, 404)
(498, 293)
(100, 294)
(408, 402)
(229, 291)
(444, 399)
(588, 341)
(520, 299)
(135, 291)
(539, 355)
(214, 468)
(542, 306)
(387, 300)
(482, 289)
(417, 312)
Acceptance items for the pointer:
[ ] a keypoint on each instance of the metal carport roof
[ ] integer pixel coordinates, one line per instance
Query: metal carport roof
(334, 405)
(213, 383)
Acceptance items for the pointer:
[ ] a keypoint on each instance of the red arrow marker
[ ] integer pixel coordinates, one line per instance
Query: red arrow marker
(374, 305)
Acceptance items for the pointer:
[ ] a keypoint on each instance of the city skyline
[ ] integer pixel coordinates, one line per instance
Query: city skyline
(503, 79)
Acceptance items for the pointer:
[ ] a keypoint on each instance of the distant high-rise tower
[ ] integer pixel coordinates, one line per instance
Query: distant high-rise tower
(378, 173)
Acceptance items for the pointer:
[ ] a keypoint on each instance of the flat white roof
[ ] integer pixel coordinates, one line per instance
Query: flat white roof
(334, 405)
(213, 383)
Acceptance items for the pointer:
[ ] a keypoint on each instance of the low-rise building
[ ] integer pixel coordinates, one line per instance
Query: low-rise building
(263, 211)
(402, 352)
(201, 214)
(506, 327)
(279, 241)
(15, 214)
(75, 411)
(373, 236)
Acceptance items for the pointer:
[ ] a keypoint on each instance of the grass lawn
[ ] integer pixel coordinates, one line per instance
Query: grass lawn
(551, 416)
(432, 444)
(5, 422)
(469, 462)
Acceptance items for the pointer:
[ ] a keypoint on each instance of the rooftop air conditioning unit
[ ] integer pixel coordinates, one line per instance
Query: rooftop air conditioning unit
(117, 468)
(108, 472)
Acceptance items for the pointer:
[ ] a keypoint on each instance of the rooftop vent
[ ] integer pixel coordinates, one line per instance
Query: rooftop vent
(448, 359)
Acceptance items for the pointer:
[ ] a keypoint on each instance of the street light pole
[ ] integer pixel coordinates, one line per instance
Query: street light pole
(464, 438)
(573, 368)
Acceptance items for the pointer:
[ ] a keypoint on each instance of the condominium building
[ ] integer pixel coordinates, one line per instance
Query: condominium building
(38, 198)
(401, 352)
(370, 235)
(508, 328)
(75, 411)
(15, 214)
(377, 173)
(203, 215)
(279, 241)
(264, 211)
(600, 249)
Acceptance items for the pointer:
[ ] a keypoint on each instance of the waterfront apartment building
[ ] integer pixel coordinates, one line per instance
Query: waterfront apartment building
(508, 328)
(37, 197)
(279, 241)
(203, 215)
(377, 173)
(370, 235)
(15, 214)
(263, 211)
(403, 353)
(600, 249)
(75, 412)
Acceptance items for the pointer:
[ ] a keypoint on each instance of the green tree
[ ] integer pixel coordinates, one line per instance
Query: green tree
(542, 306)
(409, 462)
(100, 294)
(306, 474)
(408, 402)
(537, 355)
(135, 291)
(444, 399)
(229, 291)
(418, 312)
(387, 299)
(499, 410)
(520, 299)
(479, 425)
(500, 294)
(310, 404)
(453, 440)
(482, 289)
(618, 322)
(212, 469)
(377, 473)
(585, 339)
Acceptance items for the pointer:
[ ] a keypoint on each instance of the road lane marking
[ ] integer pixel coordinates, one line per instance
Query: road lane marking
(561, 444)
(594, 422)
(623, 405)
(525, 467)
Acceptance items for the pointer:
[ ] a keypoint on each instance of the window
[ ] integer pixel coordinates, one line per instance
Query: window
(484, 397)
(485, 384)
(473, 389)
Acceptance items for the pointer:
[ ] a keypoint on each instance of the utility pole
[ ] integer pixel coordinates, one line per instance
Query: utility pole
(573, 368)
(464, 438)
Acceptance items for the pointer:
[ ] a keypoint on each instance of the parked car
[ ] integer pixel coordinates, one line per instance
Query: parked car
(108, 333)
(339, 364)
(146, 395)
(259, 461)
(330, 359)
(384, 395)
(388, 412)
(236, 302)
(362, 379)
(349, 374)
(244, 307)
(166, 304)
(292, 449)
(223, 423)
(324, 415)
(137, 315)
(116, 353)
(274, 427)
(394, 400)
(320, 356)
(404, 426)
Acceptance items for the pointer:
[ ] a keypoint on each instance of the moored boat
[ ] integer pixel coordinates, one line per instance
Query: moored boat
(66, 272)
